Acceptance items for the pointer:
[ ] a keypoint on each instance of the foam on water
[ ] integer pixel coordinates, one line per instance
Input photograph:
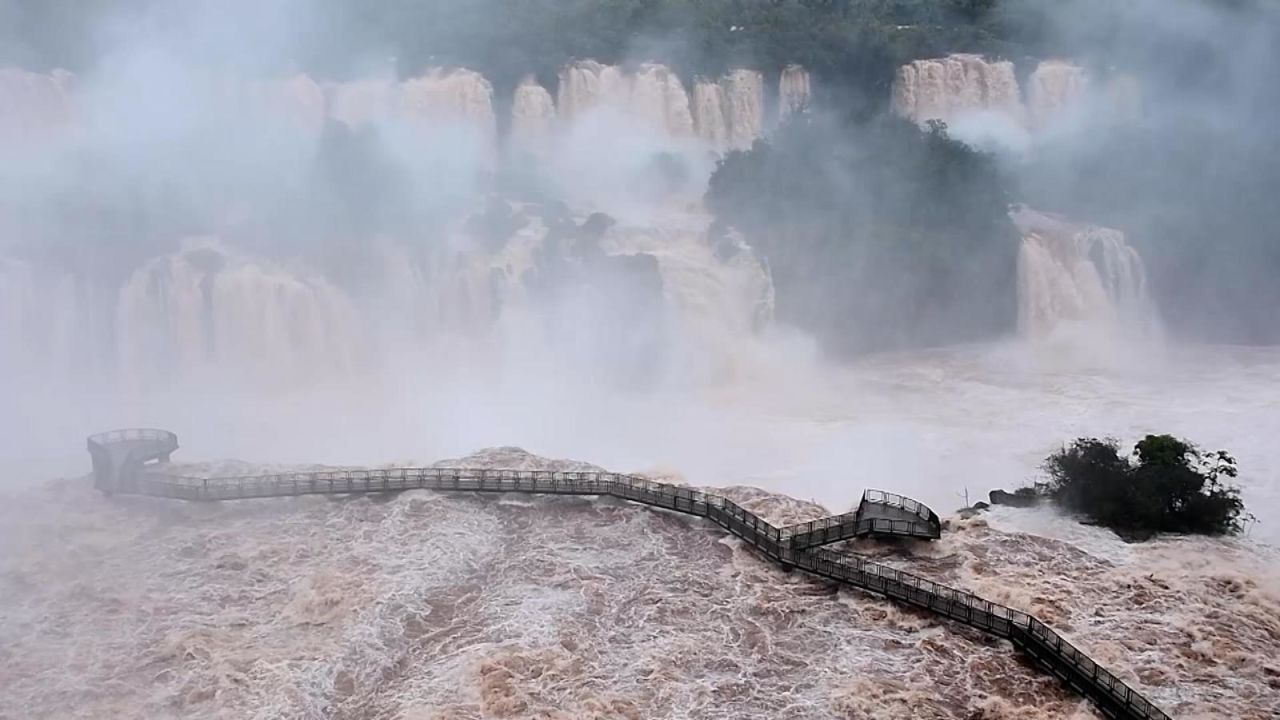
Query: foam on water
(456, 606)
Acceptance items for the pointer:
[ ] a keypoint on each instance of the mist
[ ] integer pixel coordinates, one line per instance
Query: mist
(212, 226)
(783, 251)
(298, 232)
(1184, 166)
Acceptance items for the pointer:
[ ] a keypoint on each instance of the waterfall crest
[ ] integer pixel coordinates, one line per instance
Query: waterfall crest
(723, 113)
(1054, 88)
(214, 310)
(795, 91)
(728, 113)
(533, 117)
(945, 88)
(449, 96)
(654, 94)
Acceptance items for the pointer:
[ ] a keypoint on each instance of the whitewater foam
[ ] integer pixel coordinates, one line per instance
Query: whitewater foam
(467, 607)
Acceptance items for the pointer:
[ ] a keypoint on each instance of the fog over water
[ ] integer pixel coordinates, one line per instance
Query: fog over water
(291, 257)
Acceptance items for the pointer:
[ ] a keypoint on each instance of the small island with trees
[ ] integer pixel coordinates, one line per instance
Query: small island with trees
(1167, 485)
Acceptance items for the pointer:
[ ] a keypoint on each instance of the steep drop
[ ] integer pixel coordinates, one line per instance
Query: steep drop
(1079, 278)
(207, 311)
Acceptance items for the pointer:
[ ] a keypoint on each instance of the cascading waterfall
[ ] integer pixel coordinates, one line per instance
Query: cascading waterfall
(533, 117)
(586, 84)
(514, 292)
(728, 113)
(653, 94)
(658, 94)
(794, 91)
(744, 106)
(946, 88)
(206, 311)
(1053, 89)
(725, 113)
(454, 97)
(961, 88)
(718, 293)
(708, 105)
(1079, 279)
(460, 97)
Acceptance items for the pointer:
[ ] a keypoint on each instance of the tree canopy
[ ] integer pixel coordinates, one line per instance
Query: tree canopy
(1168, 485)
(879, 235)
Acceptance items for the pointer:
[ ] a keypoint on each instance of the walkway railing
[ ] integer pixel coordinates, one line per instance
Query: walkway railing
(1050, 650)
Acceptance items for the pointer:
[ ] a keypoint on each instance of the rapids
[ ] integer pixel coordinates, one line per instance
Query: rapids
(443, 606)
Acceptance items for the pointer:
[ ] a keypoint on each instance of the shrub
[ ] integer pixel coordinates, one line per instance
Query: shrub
(1168, 485)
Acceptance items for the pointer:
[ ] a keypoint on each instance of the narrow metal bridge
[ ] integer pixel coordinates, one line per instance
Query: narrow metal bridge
(125, 461)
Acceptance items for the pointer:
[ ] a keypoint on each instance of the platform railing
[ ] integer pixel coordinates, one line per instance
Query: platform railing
(880, 497)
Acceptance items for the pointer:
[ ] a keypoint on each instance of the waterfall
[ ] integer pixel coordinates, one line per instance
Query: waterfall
(744, 106)
(708, 106)
(207, 310)
(212, 310)
(455, 96)
(724, 113)
(794, 91)
(594, 295)
(944, 88)
(960, 87)
(361, 102)
(587, 84)
(1079, 279)
(533, 117)
(728, 113)
(1054, 87)
(653, 94)
(717, 290)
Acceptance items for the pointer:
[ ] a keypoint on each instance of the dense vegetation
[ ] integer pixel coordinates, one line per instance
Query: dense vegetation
(1169, 485)
(879, 236)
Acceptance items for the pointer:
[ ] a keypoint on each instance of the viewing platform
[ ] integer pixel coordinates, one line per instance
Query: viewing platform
(119, 456)
(879, 513)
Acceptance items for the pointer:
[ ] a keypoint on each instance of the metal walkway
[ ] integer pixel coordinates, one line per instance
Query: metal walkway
(119, 467)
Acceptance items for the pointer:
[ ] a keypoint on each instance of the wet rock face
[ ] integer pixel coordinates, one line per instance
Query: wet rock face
(1022, 498)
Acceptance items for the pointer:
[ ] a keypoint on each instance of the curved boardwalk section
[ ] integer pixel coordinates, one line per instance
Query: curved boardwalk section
(119, 455)
(119, 461)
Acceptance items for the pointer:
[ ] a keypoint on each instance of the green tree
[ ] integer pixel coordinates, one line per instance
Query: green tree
(879, 235)
(1168, 485)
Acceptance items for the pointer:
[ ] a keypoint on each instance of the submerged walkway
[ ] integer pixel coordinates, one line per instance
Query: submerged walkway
(123, 463)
